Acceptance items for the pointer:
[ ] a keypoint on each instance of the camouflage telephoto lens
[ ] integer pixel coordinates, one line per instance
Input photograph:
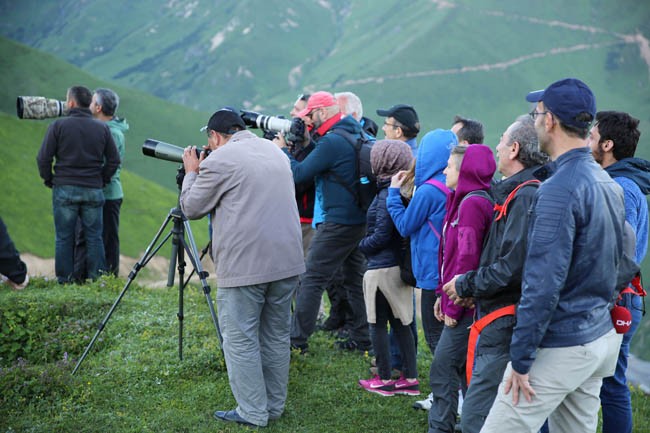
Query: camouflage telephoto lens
(39, 107)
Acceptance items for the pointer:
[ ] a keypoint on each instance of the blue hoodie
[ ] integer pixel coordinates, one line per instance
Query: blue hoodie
(633, 174)
(426, 210)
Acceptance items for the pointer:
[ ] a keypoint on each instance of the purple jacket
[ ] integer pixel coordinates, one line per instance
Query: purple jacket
(461, 245)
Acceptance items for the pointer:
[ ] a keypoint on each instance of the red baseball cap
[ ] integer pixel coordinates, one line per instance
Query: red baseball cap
(318, 100)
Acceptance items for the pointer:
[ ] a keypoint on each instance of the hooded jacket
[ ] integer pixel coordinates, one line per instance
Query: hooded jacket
(463, 242)
(426, 210)
(333, 160)
(633, 174)
(113, 190)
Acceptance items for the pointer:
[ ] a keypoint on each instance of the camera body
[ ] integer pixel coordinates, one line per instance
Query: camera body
(39, 107)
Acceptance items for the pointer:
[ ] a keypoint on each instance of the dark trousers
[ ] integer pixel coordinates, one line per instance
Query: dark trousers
(10, 264)
(403, 334)
(395, 351)
(447, 375)
(110, 238)
(334, 246)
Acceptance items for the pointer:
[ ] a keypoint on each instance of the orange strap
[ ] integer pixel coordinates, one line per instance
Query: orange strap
(502, 209)
(475, 331)
(635, 287)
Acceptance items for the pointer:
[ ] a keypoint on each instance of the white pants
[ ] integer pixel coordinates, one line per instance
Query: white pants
(567, 384)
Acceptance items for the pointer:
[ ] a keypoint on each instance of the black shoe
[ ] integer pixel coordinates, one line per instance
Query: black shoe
(352, 345)
(332, 323)
(301, 348)
(232, 416)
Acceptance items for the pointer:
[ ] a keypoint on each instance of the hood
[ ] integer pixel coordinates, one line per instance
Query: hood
(118, 123)
(476, 171)
(347, 123)
(635, 169)
(432, 155)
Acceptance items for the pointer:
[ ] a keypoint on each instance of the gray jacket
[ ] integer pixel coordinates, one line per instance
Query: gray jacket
(247, 188)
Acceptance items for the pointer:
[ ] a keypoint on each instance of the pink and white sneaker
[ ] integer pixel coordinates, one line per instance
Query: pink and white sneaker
(378, 386)
(407, 387)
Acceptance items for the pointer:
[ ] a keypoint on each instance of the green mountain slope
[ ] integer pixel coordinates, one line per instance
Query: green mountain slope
(477, 58)
(26, 71)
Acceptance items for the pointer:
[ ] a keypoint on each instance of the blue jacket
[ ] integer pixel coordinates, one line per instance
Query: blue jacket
(333, 159)
(382, 243)
(633, 174)
(426, 210)
(575, 244)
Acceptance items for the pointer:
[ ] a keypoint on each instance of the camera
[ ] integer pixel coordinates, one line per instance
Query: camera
(166, 151)
(293, 129)
(39, 107)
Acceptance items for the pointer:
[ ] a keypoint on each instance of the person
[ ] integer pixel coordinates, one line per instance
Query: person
(387, 297)
(13, 271)
(402, 123)
(575, 244)
(336, 241)
(422, 220)
(468, 131)
(86, 159)
(613, 141)
(350, 105)
(103, 106)
(469, 215)
(496, 284)
(257, 250)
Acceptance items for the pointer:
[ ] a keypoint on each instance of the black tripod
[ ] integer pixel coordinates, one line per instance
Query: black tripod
(180, 246)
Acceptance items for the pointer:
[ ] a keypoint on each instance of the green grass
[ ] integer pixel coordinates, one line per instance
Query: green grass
(133, 381)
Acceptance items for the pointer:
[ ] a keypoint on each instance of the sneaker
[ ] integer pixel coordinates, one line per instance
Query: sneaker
(351, 345)
(13, 285)
(378, 386)
(406, 387)
(424, 404)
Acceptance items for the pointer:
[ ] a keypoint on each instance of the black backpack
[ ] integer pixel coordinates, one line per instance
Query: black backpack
(365, 185)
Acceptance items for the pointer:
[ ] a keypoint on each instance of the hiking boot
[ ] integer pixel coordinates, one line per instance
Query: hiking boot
(407, 387)
(300, 348)
(352, 345)
(424, 404)
(378, 386)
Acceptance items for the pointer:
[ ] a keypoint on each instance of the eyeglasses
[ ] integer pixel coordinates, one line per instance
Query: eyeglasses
(535, 113)
(393, 125)
(207, 132)
(314, 111)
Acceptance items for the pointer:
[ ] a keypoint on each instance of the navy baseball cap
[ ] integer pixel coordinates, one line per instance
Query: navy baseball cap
(225, 120)
(570, 100)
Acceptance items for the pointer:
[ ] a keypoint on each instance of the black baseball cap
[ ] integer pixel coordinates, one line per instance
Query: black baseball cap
(404, 114)
(568, 99)
(226, 120)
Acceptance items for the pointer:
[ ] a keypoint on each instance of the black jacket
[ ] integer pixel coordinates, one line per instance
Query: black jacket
(497, 281)
(84, 150)
(305, 191)
(382, 243)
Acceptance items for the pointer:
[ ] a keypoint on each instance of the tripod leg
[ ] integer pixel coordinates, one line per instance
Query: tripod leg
(181, 287)
(146, 257)
(193, 254)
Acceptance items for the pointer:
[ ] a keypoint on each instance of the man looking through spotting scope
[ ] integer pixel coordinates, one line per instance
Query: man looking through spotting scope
(245, 184)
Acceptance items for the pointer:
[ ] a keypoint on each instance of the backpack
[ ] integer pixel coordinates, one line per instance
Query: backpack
(365, 185)
(478, 193)
(404, 258)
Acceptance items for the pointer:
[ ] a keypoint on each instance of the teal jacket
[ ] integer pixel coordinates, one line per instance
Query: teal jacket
(113, 189)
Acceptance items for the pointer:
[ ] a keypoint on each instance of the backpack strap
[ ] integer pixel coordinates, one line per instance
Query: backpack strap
(355, 145)
(442, 187)
(502, 209)
(477, 193)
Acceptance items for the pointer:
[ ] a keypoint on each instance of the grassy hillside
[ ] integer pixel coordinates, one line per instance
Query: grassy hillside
(27, 204)
(26, 71)
(476, 58)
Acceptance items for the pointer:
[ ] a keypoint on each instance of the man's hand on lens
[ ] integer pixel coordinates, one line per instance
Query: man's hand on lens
(190, 161)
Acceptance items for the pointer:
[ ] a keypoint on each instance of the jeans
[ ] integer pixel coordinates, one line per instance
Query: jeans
(255, 324)
(614, 394)
(334, 246)
(69, 203)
